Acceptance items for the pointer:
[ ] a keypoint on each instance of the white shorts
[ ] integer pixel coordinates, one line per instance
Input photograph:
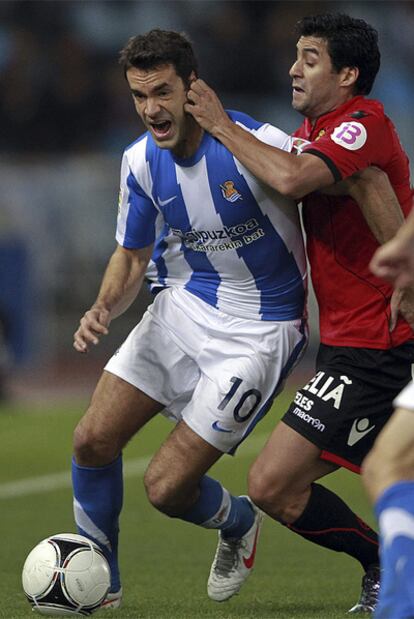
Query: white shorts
(217, 372)
(405, 399)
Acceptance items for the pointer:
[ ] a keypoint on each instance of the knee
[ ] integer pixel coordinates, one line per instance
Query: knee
(160, 492)
(92, 446)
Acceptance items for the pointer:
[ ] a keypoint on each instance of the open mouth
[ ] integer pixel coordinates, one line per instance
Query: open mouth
(297, 89)
(161, 129)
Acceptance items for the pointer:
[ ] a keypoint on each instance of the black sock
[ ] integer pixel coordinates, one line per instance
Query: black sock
(329, 522)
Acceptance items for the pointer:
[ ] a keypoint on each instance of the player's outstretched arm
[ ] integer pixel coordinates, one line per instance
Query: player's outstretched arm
(120, 285)
(290, 175)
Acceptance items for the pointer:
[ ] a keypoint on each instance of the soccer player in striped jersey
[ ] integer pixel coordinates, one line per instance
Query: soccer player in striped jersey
(216, 346)
(363, 360)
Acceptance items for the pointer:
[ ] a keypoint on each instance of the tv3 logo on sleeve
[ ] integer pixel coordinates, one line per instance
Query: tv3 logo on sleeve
(351, 135)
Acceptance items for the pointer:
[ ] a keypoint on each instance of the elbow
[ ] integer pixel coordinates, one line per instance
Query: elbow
(291, 187)
(372, 177)
(296, 193)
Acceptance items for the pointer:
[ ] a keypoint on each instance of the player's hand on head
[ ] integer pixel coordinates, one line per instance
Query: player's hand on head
(204, 105)
(93, 324)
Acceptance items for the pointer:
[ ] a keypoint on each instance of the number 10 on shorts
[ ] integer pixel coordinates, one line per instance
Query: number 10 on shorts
(252, 396)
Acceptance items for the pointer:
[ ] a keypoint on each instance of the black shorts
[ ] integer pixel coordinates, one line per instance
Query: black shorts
(345, 405)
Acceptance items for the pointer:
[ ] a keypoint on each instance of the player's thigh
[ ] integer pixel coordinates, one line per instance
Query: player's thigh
(398, 439)
(392, 458)
(116, 412)
(180, 463)
(287, 464)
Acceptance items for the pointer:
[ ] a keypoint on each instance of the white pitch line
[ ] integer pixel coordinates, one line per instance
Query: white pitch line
(132, 468)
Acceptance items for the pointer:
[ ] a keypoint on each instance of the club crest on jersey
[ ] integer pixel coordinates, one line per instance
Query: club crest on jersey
(229, 192)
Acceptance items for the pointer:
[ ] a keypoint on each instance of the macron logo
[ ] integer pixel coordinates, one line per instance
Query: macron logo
(359, 430)
(167, 201)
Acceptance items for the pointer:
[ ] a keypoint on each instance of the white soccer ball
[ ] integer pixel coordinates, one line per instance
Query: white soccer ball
(66, 574)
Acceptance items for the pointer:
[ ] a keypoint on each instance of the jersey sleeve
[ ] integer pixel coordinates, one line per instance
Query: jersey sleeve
(136, 223)
(264, 132)
(274, 137)
(353, 144)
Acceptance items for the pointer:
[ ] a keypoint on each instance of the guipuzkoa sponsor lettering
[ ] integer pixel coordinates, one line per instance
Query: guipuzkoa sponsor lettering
(230, 237)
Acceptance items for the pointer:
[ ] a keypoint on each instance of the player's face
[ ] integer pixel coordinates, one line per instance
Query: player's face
(317, 88)
(159, 95)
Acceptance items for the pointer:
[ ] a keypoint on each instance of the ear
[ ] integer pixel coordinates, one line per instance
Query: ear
(349, 76)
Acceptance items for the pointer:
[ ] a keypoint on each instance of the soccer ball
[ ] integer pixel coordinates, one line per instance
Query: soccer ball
(66, 574)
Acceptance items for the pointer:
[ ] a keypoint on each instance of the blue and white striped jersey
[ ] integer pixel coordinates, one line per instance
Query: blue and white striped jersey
(219, 232)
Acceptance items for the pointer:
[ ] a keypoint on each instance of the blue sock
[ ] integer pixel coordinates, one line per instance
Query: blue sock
(98, 495)
(215, 508)
(395, 513)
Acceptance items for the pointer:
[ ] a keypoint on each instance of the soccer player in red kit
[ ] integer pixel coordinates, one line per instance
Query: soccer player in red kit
(363, 360)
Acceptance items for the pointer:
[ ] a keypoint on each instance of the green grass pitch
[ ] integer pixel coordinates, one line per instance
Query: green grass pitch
(164, 562)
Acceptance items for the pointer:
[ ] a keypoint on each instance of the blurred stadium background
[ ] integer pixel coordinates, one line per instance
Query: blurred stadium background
(65, 117)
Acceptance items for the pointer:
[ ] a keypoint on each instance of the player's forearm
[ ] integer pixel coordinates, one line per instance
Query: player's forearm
(256, 156)
(381, 209)
(291, 175)
(272, 166)
(122, 280)
(379, 205)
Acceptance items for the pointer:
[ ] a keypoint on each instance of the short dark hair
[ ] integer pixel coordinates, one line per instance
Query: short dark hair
(158, 47)
(351, 43)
